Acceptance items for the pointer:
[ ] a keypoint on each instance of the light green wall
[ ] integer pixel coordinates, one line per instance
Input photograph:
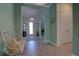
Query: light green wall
(50, 29)
(52, 23)
(6, 17)
(17, 20)
(6, 21)
(47, 31)
(76, 29)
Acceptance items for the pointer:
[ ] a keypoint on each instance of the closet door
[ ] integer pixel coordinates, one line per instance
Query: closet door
(66, 23)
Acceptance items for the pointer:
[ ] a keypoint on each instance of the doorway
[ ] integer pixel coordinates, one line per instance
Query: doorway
(30, 28)
(34, 21)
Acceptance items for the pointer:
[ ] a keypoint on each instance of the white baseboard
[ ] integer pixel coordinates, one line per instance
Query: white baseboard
(50, 42)
(58, 44)
(73, 54)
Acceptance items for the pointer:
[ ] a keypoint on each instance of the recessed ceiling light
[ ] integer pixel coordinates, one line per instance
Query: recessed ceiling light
(40, 4)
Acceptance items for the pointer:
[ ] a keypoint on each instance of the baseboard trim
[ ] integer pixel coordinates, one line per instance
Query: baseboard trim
(51, 43)
(73, 54)
(58, 44)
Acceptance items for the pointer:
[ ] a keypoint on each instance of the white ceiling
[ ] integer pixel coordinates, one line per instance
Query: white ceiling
(27, 11)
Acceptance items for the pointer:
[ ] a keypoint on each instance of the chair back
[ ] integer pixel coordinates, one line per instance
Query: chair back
(9, 39)
(2, 46)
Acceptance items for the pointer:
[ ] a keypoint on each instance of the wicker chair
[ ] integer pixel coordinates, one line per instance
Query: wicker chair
(13, 48)
(2, 47)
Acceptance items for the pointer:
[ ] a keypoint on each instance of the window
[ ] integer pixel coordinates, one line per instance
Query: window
(31, 28)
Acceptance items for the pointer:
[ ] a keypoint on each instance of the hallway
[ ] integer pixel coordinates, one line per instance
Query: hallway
(35, 47)
(56, 30)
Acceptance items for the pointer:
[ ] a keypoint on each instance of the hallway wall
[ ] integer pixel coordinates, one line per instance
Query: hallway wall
(53, 23)
(6, 17)
(17, 20)
(76, 29)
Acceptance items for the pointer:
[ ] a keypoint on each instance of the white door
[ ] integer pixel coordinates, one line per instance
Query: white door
(66, 23)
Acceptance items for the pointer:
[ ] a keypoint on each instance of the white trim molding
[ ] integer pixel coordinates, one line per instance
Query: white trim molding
(47, 41)
(73, 54)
